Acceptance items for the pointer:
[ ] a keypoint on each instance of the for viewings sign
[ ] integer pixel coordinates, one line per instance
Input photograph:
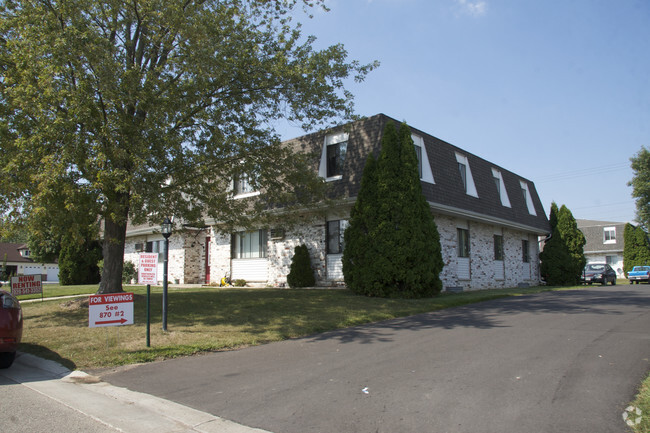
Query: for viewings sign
(111, 309)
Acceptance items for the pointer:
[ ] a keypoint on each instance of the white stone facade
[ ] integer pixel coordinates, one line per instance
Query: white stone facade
(484, 271)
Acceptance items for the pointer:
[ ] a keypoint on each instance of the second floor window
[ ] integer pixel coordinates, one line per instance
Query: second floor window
(463, 175)
(243, 184)
(335, 158)
(609, 235)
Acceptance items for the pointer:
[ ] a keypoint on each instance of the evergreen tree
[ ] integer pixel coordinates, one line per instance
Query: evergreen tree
(301, 274)
(395, 249)
(358, 252)
(640, 184)
(78, 261)
(575, 242)
(562, 259)
(636, 251)
(555, 255)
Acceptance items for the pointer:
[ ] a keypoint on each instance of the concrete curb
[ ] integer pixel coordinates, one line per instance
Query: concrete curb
(116, 407)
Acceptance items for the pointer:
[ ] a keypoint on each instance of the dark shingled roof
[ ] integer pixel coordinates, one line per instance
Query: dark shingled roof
(10, 253)
(447, 194)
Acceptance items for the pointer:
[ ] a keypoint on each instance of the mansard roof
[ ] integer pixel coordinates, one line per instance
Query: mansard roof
(447, 194)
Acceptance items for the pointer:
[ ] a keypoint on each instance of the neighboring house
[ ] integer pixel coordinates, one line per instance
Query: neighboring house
(489, 219)
(15, 260)
(605, 242)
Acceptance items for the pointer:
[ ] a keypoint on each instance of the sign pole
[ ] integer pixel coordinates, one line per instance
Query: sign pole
(148, 315)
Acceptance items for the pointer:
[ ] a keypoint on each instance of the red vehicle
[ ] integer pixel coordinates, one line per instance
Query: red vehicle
(11, 328)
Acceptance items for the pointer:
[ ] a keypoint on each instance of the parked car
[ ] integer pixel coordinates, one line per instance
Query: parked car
(11, 328)
(639, 274)
(598, 273)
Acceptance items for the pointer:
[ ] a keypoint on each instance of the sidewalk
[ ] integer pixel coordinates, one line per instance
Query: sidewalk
(119, 408)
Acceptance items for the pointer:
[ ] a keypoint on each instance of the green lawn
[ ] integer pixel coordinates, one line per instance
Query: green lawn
(208, 319)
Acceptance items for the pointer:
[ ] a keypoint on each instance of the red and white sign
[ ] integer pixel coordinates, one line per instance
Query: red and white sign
(26, 285)
(148, 268)
(112, 309)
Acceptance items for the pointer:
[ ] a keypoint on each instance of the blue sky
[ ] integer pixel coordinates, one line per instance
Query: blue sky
(557, 91)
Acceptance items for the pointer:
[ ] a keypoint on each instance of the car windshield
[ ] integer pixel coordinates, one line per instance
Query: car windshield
(8, 301)
(595, 268)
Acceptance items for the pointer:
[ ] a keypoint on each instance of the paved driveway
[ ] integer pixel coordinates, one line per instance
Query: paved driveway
(551, 362)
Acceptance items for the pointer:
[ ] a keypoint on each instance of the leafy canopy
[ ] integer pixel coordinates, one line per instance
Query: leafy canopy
(145, 109)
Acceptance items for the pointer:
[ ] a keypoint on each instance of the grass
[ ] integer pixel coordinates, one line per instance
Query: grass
(642, 401)
(210, 319)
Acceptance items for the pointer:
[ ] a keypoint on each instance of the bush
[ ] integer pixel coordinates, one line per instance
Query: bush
(239, 283)
(129, 272)
(301, 273)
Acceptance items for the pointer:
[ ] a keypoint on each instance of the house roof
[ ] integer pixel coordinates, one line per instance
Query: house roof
(594, 235)
(447, 195)
(11, 253)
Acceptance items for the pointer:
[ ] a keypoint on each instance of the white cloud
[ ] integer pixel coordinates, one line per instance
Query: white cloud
(472, 7)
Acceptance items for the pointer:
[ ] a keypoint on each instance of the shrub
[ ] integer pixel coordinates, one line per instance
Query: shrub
(301, 273)
(129, 272)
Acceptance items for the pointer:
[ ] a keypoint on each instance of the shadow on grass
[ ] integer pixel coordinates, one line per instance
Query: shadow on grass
(44, 352)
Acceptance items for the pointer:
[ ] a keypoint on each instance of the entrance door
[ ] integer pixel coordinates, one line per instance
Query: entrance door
(207, 260)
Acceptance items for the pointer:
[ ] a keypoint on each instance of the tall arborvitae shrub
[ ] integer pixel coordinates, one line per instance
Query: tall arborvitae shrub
(392, 245)
(575, 241)
(636, 251)
(301, 273)
(555, 260)
(562, 259)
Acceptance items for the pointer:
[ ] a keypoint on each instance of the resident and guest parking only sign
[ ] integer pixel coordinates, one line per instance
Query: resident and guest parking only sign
(111, 309)
(148, 268)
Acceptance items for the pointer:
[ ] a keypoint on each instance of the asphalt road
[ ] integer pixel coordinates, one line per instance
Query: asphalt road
(551, 362)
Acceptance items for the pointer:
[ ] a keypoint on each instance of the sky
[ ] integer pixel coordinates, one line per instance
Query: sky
(556, 91)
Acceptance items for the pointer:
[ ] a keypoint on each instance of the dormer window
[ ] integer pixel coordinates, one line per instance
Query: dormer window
(527, 198)
(609, 235)
(466, 175)
(243, 184)
(333, 157)
(424, 168)
(501, 187)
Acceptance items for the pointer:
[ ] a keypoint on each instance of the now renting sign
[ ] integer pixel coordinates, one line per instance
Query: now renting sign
(26, 285)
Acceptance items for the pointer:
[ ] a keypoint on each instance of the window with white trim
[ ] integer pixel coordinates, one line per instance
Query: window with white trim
(333, 157)
(501, 187)
(249, 245)
(426, 175)
(609, 235)
(527, 198)
(243, 184)
(466, 175)
(156, 247)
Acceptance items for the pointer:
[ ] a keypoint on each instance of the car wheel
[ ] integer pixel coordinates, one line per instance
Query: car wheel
(614, 281)
(604, 282)
(6, 359)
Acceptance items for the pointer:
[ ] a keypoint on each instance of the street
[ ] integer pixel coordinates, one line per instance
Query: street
(555, 362)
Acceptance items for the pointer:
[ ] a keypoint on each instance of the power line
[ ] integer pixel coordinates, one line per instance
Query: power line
(593, 171)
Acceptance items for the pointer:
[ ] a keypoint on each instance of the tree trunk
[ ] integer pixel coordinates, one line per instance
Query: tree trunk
(113, 249)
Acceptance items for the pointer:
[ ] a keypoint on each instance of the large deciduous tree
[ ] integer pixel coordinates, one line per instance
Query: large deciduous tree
(392, 245)
(640, 184)
(149, 108)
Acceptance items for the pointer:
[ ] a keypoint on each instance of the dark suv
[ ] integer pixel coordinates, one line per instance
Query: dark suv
(598, 273)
